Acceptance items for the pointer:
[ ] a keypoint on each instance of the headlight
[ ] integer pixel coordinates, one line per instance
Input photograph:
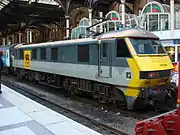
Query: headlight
(153, 75)
(156, 74)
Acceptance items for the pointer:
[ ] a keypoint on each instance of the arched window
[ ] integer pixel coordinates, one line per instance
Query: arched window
(152, 7)
(113, 15)
(84, 22)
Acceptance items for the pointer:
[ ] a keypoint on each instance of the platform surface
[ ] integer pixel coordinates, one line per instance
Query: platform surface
(20, 115)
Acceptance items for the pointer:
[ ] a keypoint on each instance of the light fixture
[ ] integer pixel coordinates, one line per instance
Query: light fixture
(29, 1)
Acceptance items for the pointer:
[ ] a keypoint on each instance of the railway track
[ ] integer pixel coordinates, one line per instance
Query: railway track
(102, 127)
(117, 118)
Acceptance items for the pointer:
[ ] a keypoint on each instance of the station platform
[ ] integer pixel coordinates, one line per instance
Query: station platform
(20, 115)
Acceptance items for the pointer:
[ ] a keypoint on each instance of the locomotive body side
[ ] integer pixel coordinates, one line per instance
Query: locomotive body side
(109, 67)
(68, 63)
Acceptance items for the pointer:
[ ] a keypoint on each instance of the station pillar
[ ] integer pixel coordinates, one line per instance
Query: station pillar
(4, 41)
(30, 36)
(178, 98)
(67, 25)
(140, 12)
(13, 39)
(8, 41)
(20, 37)
(123, 12)
(101, 25)
(27, 36)
(172, 17)
(90, 16)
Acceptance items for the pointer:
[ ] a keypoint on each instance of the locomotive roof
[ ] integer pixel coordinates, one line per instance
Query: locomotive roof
(7, 46)
(138, 33)
(62, 42)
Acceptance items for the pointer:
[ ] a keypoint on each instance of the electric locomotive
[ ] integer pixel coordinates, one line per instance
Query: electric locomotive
(128, 68)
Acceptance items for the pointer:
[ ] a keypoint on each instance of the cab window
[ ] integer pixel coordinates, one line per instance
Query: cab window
(122, 49)
(147, 46)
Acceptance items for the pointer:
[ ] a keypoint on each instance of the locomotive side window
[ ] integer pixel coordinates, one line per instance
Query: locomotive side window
(105, 49)
(122, 49)
(16, 54)
(54, 53)
(43, 53)
(21, 54)
(83, 53)
(34, 54)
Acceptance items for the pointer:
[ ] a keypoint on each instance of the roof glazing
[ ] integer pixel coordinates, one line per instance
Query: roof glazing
(51, 2)
(4, 3)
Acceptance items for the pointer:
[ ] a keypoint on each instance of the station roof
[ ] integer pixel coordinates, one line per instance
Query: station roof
(18, 14)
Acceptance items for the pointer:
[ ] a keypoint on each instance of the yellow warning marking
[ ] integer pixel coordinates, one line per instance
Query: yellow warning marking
(132, 92)
(27, 59)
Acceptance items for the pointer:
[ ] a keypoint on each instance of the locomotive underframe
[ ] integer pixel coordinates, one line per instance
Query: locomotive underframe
(158, 98)
(106, 93)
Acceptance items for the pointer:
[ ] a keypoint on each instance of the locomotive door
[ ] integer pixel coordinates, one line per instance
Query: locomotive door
(105, 58)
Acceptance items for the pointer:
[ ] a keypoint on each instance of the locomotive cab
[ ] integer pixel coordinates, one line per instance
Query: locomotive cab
(144, 69)
(152, 71)
(151, 63)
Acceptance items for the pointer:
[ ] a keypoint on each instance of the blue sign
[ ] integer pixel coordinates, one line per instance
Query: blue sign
(6, 57)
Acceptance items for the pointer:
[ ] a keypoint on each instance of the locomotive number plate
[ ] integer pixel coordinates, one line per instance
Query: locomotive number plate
(128, 75)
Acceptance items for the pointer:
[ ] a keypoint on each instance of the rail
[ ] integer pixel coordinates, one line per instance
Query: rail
(22, 90)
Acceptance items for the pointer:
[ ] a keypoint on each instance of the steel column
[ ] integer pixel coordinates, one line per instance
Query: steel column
(178, 98)
(30, 36)
(172, 17)
(4, 41)
(101, 25)
(176, 53)
(67, 25)
(20, 38)
(90, 16)
(8, 41)
(123, 12)
(27, 36)
(13, 40)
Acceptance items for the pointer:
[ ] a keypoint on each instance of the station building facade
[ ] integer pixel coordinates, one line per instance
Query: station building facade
(154, 17)
(151, 15)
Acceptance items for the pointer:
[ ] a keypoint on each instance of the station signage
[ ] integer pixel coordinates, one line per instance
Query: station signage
(175, 77)
(167, 42)
(5, 56)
